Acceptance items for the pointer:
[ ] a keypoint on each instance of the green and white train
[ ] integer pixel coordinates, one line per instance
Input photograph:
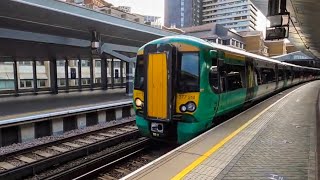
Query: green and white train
(183, 83)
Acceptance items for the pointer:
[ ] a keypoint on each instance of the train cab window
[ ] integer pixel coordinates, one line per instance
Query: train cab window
(233, 77)
(188, 78)
(267, 75)
(139, 73)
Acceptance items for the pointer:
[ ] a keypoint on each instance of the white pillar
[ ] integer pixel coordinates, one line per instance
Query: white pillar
(81, 121)
(27, 132)
(57, 126)
(102, 117)
(132, 113)
(118, 114)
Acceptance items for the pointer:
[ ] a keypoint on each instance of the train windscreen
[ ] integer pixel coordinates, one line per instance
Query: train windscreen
(188, 73)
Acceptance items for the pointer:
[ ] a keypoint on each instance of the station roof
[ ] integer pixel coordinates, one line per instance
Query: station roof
(305, 27)
(294, 56)
(66, 20)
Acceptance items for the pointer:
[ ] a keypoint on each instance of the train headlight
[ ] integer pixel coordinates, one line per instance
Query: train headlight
(138, 102)
(191, 106)
(183, 108)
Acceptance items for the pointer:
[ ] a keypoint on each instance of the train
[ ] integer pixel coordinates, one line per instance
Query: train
(182, 84)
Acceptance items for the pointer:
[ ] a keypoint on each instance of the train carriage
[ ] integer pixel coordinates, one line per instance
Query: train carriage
(183, 83)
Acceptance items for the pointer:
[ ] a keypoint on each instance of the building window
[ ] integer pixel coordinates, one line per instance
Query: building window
(39, 63)
(60, 63)
(85, 81)
(98, 80)
(61, 82)
(25, 63)
(42, 83)
(26, 84)
(98, 63)
(233, 42)
(85, 63)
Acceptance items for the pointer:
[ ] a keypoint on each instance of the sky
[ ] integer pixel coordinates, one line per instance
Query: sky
(143, 7)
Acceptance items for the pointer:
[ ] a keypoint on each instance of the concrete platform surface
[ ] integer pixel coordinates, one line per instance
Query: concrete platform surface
(275, 139)
(15, 107)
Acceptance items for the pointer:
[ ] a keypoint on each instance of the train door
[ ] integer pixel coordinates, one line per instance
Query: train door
(223, 103)
(214, 80)
(158, 86)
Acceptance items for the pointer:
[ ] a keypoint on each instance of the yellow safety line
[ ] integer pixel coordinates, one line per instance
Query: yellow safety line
(203, 157)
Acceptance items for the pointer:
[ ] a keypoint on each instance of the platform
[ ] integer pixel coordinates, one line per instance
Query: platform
(16, 107)
(275, 140)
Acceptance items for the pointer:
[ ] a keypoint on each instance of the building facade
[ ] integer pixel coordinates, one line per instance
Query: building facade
(276, 48)
(216, 33)
(241, 15)
(182, 13)
(126, 9)
(105, 7)
(291, 48)
(255, 43)
(154, 21)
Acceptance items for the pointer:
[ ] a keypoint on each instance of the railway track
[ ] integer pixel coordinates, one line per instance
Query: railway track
(28, 162)
(88, 168)
(128, 163)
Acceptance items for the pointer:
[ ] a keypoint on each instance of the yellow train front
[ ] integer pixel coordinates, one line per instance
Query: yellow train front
(182, 83)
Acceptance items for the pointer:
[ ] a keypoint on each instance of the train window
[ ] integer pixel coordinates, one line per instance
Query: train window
(234, 77)
(296, 74)
(213, 78)
(289, 75)
(280, 75)
(257, 77)
(267, 75)
(139, 73)
(189, 73)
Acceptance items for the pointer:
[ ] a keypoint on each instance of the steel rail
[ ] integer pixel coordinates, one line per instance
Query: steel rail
(35, 167)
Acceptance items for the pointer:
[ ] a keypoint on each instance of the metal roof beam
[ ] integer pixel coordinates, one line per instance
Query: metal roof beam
(112, 48)
(44, 38)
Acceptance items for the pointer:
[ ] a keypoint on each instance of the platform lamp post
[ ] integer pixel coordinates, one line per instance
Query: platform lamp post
(66, 73)
(104, 77)
(15, 77)
(95, 51)
(35, 79)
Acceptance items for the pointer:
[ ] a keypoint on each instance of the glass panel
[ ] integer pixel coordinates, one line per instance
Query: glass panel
(85, 71)
(189, 73)
(73, 72)
(139, 73)
(97, 72)
(25, 74)
(42, 74)
(61, 73)
(6, 76)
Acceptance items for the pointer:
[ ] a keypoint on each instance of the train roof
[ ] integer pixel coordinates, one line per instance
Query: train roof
(200, 42)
